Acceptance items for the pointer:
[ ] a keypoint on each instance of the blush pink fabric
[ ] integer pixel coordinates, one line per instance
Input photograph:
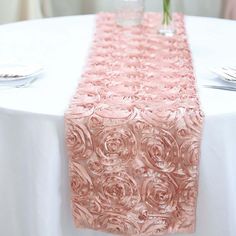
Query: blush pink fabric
(230, 9)
(133, 132)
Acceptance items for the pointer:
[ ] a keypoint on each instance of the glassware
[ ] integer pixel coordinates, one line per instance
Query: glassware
(167, 26)
(129, 12)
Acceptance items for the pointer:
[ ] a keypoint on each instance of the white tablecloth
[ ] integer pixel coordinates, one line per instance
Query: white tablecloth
(34, 187)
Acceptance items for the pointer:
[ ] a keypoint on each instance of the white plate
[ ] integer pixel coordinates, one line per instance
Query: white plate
(18, 75)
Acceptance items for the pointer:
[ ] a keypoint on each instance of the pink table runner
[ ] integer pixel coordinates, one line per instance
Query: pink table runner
(133, 132)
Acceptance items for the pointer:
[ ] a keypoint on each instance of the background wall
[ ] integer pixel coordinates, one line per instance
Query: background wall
(190, 7)
(13, 10)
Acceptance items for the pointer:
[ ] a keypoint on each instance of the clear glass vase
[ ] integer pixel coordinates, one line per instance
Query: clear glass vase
(129, 12)
(167, 25)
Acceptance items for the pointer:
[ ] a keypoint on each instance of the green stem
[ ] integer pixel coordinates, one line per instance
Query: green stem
(166, 12)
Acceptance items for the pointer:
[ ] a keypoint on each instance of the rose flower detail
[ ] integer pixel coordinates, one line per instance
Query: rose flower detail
(156, 226)
(91, 203)
(78, 141)
(160, 150)
(188, 195)
(115, 145)
(81, 183)
(81, 214)
(189, 153)
(118, 191)
(189, 124)
(118, 224)
(160, 194)
(187, 200)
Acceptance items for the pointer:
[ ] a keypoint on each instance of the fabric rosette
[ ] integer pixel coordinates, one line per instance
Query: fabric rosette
(158, 225)
(160, 149)
(186, 213)
(115, 145)
(78, 141)
(118, 191)
(188, 195)
(91, 203)
(118, 224)
(95, 167)
(83, 104)
(160, 193)
(80, 180)
(189, 153)
(82, 216)
(188, 124)
(162, 117)
(113, 111)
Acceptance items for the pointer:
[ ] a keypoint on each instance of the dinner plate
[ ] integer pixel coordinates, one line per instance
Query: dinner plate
(18, 75)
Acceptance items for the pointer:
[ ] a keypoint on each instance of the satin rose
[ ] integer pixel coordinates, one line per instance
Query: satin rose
(188, 195)
(118, 191)
(118, 224)
(158, 225)
(188, 123)
(81, 182)
(160, 149)
(81, 214)
(78, 141)
(95, 167)
(113, 111)
(189, 153)
(160, 194)
(115, 145)
(90, 202)
(186, 206)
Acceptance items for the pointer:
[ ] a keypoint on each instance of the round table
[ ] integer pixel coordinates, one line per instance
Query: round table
(34, 186)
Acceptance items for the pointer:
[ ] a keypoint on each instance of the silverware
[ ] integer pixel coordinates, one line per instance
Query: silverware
(222, 87)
